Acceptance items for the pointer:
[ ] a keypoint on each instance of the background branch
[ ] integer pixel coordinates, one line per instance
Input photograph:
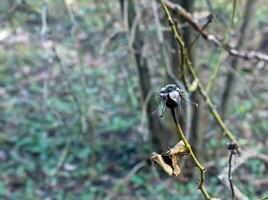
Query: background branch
(247, 55)
(201, 90)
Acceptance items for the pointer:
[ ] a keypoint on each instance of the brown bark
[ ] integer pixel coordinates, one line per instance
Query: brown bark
(158, 136)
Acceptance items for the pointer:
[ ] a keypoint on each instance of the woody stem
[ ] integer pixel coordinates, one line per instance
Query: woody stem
(197, 163)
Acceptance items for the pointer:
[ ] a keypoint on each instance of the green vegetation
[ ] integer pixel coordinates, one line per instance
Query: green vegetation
(73, 122)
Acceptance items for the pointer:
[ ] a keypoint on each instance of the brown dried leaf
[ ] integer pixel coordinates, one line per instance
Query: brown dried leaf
(178, 149)
(169, 160)
(176, 168)
(160, 161)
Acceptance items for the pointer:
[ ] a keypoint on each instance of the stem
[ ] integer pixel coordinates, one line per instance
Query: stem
(216, 114)
(174, 27)
(230, 175)
(197, 163)
(214, 39)
(200, 88)
(215, 73)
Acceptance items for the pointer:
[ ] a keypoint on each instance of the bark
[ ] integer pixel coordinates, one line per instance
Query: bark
(154, 123)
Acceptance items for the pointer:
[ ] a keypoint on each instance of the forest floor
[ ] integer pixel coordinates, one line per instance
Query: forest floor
(71, 122)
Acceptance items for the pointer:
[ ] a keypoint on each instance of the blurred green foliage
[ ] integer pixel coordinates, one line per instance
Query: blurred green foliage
(70, 131)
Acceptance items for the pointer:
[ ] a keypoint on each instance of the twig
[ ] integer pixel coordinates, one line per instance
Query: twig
(201, 90)
(43, 31)
(216, 71)
(209, 20)
(144, 114)
(230, 79)
(219, 16)
(230, 175)
(242, 159)
(233, 149)
(109, 38)
(238, 193)
(125, 179)
(197, 163)
(234, 11)
(183, 51)
(214, 39)
(167, 64)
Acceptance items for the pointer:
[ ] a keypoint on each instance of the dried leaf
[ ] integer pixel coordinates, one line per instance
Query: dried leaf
(179, 149)
(176, 168)
(160, 161)
(169, 160)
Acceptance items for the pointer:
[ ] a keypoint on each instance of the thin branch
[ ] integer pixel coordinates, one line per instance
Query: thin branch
(44, 28)
(214, 39)
(216, 71)
(209, 20)
(178, 38)
(230, 175)
(242, 159)
(197, 163)
(199, 86)
(122, 182)
(233, 151)
(234, 11)
(239, 195)
(170, 75)
(109, 38)
(230, 79)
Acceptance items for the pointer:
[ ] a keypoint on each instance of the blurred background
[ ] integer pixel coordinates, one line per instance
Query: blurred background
(78, 85)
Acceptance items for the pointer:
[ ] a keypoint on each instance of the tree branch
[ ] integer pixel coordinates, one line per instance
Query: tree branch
(197, 163)
(247, 55)
(199, 86)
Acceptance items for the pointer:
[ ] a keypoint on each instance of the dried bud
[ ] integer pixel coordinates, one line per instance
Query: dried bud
(171, 96)
(232, 146)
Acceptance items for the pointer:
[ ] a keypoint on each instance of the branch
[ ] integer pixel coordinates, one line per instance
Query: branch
(122, 182)
(230, 175)
(230, 79)
(247, 55)
(197, 163)
(178, 38)
(213, 77)
(242, 159)
(44, 28)
(233, 152)
(170, 75)
(199, 86)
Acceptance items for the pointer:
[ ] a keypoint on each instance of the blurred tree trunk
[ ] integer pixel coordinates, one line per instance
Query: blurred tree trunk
(230, 80)
(158, 136)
